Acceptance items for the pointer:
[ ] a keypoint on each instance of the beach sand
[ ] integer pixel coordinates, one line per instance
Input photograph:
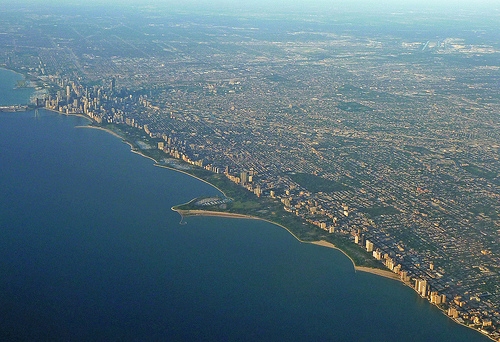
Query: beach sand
(187, 213)
(377, 271)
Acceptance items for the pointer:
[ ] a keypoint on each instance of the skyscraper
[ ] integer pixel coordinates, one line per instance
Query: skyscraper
(421, 287)
(369, 246)
(68, 93)
(244, 177)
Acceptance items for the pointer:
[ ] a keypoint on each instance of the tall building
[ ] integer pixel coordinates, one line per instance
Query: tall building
(369, 246)
(346, 210)
(421, 287)
(68, 93)
(244, 177)
(453, 312)
(435, 298)
(112, 84)
(404, 276)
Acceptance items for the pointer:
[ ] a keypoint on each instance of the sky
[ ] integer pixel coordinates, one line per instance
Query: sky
(373, 8)
(360, 4)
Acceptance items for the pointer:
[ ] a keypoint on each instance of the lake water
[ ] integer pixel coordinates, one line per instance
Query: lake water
(90, 250)
(9, 95)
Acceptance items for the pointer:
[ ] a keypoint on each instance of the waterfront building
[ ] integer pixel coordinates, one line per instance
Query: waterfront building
(421, 287)
(258, 191)
(369, 246)
(453, 312)
(436, 298)
(68, 93)
(244, 177)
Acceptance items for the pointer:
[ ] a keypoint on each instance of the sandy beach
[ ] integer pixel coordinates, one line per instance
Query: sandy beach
(187, 173)
(377, 271)
(68, 114)
(187, 213)
(102, 129)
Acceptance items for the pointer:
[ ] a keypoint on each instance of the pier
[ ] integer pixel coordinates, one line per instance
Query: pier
(15, 108)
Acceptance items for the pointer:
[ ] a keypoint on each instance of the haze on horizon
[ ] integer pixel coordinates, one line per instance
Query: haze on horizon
(281, 5)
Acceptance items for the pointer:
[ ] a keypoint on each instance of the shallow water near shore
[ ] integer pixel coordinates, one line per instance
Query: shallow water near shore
(9, 93)
(90, 250)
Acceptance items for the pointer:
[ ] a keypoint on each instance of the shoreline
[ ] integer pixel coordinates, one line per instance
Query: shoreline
(374, 271)
(379, 272)
(69, 114)
(382, 273)
(187, 173)
(25, 78)
(36, 88)
(134, 150)
(186, 213)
